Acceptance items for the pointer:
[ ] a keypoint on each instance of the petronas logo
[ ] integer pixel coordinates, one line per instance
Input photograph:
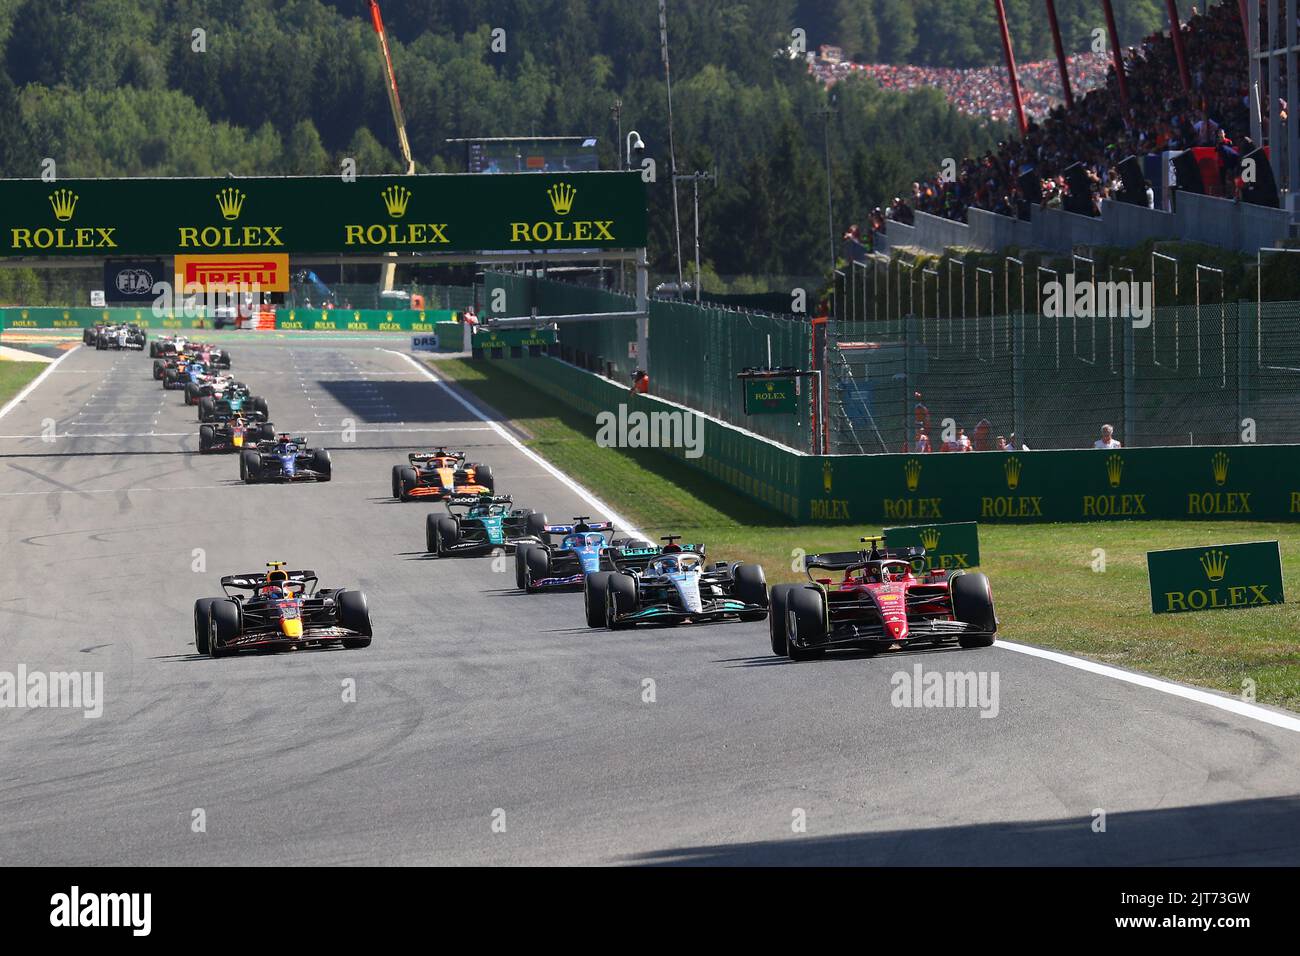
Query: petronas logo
(64, 201)
(395, 200)
(231, 202)
(561, 198)
(1215, 564)
(1114, 470)
(1220, 465)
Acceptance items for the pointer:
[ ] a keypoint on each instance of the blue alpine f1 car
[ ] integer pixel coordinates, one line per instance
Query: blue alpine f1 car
(585, 547)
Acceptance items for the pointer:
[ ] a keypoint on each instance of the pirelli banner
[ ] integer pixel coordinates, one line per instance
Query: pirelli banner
(1241, 482)
(322, 214)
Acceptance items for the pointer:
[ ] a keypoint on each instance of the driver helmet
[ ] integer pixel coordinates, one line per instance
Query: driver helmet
(275, 582)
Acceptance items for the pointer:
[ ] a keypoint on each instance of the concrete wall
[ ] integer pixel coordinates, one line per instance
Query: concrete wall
(1205, 219)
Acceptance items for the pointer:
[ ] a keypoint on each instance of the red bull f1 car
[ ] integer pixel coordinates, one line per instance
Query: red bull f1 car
(477, 523)
(585, 547)
(674, 586)
(881, 601)
(439, 474)
(279, 609)
(284, 459)
(234, 433)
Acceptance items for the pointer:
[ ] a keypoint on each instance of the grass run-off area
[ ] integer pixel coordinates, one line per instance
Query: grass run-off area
(14, 377)
(1044, 583)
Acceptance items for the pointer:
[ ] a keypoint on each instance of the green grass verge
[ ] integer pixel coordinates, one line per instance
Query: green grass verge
(1043, 579)
(14, 377)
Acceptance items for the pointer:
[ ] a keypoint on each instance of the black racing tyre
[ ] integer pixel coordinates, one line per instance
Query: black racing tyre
(776, 618)
(206, 436)
(322, 464)
(594, 588)
(354, 614)
(250, 464)
(202, 623)
(191, 393)
(806, 622)
(446, 534)
(397, 482)
(409, 481)
(225, 360)
(972, 603)
(267, 432)
(226, 627)
(539, 564)
(158, 370)
(535, 525)
(207, 408)
(521, 566)
(621, 596)
(258, 404)
(751, 587)
(483, 476)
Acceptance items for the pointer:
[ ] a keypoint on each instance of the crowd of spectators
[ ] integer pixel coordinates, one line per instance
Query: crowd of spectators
(983, 91)
(1099, 130)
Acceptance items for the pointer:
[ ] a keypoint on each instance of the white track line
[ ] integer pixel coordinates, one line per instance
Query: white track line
(31, 386)
(550, 469)
(1230, 704)
(1220, 701)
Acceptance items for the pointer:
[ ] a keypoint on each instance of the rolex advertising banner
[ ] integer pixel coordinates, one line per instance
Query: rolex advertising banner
(948, 546)
(1238, 482)
(322, 320)
(322, 214)
(1221, 575)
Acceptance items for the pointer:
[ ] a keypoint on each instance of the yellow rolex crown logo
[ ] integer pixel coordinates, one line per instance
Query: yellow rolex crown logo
(231, 201)
(1012, 468)
(561, 198)
(826, 476)
(64, 202)
(1114, 470)
(930, 538)
(1220, 465)
(1215, 564)
(912, 472)
(395, 200)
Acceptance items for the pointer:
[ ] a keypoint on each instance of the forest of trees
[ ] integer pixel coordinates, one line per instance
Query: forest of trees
(117, 88)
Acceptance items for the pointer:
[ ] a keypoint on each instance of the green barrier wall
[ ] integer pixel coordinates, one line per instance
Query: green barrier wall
(761, 469)
(1241, 482)
(350, 320)
(695, 352)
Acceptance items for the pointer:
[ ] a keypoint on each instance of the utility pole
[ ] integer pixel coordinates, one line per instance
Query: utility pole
(672, 149)
(696, 178)
(826, 113)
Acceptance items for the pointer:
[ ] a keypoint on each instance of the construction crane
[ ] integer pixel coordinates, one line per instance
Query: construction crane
(399, 121)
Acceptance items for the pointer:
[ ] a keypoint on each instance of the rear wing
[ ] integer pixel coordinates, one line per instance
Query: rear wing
(252, 580)
(843, 560)
(640, 557)
(421, 457)
(587, 526)
(468, 501)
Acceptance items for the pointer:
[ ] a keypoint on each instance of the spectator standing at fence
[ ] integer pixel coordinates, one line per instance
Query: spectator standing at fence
(640, 383)
(1107, 439)
(922, 443)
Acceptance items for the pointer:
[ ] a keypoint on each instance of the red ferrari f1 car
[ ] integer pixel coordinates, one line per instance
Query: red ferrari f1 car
(881, 601)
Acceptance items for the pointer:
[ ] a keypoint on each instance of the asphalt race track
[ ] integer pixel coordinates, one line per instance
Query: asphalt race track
(474, 698)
